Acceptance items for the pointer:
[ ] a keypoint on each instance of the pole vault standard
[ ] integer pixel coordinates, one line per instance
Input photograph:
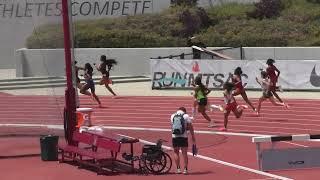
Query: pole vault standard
(70, 102)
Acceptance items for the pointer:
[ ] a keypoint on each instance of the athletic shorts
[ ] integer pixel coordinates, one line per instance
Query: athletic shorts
(238, 91)
(105, 79)
(90, 85)
(180, 142)
(273, 88)
(267, 94)
(203, 102)
(231, 106)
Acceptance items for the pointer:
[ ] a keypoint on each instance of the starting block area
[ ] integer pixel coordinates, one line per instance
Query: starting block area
(274, 158)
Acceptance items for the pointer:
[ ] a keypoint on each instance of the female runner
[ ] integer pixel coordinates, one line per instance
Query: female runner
(79, 84)
(89, 83)
(273, 73)
(239, 88)
(105, 67)
(200, 93)
(231, 104)
(266, 84)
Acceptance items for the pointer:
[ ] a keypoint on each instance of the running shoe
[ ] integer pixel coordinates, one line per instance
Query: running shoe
(216, 107)
(185, 171)
(223, 129)
(211, 124)
(178, 171)
(243, 106)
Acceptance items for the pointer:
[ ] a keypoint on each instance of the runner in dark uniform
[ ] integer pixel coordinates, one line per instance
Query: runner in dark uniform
(79, 84)
(89, 83)
(105, 67)
(77, 69)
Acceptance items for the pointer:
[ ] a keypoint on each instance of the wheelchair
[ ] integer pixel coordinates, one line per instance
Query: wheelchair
(152, 160)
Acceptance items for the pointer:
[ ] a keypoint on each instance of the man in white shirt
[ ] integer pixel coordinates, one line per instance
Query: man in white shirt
(180, 138)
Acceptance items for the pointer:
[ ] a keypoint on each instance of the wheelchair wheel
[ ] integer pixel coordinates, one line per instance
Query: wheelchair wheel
(142, 165)
(157, 165)
(168, 164)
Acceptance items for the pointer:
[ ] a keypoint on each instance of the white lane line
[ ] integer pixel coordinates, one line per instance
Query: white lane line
(243, 126)
(264, 179)
(222, 162)
(148, 128)
(263, 115)
(169, 130)
(206, 123)
(133, 128)
(60, 127)
(297, 105)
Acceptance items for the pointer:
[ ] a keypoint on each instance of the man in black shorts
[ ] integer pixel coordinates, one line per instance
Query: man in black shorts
(180, 136)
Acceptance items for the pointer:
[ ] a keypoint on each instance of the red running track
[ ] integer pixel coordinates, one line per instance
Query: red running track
(154, 112)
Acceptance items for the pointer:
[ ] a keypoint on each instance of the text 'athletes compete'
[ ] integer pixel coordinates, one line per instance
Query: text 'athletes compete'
(24, 9)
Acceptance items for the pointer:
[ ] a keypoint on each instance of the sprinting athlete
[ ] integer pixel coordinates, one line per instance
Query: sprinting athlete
(273, 74)
(266, 84)
(105, 67)
(89, 83)
(239, 88)
(230, 104)
(200, 93)
(79, 84)
(77, 69)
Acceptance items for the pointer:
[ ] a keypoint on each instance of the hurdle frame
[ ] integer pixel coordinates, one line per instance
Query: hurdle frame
(275, 139)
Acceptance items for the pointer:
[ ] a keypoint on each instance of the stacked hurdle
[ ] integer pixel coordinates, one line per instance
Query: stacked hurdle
(289, 158)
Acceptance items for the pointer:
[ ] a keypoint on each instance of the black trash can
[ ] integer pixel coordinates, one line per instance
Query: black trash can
(49, 148)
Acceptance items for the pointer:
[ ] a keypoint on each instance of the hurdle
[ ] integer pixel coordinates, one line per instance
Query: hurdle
(287, 158)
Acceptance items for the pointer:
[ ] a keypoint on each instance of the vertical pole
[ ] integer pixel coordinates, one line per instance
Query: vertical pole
(70, 103)
(241, 52)
(258, 148)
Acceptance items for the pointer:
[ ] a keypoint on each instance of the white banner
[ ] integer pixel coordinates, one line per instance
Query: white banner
(171, 73)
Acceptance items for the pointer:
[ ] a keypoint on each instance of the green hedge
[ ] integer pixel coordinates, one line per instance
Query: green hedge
(298, 24)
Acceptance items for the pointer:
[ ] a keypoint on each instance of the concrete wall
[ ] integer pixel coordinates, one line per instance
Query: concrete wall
(135, 61)
(282, 53)
(50, 62)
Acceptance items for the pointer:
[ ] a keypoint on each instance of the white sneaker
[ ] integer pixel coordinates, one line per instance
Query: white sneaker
(178, 171)
(216, 107)
(244, 106)
(185, 171)
(211, 124)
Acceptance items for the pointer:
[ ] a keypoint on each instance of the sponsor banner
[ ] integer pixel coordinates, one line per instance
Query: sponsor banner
(172, 73)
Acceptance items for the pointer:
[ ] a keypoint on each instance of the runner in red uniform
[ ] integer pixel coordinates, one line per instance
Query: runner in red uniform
(273, 74)
(239, 89)
(231, 104)
(105, 67)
